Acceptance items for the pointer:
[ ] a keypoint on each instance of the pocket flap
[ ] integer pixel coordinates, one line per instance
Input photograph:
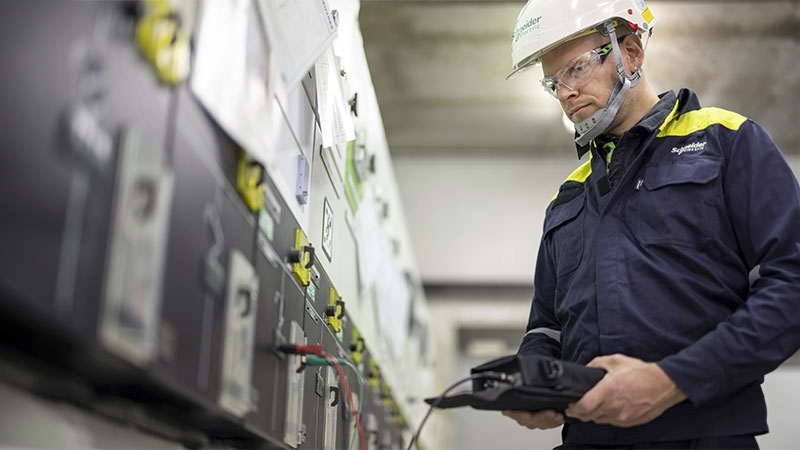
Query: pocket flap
(563, 213)
(697, 171)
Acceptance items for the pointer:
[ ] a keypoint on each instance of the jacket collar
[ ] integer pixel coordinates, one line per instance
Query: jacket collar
(669, 106)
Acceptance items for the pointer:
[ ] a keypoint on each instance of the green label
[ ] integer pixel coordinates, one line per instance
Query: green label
(311, 291)
(266, 224)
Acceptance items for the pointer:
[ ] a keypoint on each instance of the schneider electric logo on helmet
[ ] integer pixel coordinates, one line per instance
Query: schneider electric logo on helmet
(527, 27)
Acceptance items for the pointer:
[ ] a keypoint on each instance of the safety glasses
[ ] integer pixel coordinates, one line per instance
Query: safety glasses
(575, 70)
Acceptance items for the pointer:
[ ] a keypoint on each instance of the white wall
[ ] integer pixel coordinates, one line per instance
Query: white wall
(478, 218)
(783, 405)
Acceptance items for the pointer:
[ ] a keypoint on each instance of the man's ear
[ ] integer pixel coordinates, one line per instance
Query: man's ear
(633, 51)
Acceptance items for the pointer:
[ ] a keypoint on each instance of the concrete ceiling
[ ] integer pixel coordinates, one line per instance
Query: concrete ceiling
(438, 67)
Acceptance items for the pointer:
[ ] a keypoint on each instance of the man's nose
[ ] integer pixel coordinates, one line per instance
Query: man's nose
(565, 91)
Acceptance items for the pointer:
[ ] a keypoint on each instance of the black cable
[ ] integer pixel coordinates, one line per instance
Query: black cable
(492, 375)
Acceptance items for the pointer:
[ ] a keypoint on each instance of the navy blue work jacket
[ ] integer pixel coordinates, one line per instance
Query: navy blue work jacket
(691, 261)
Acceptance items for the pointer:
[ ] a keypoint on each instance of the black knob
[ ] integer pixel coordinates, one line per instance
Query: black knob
(295, 256)
(330, 310)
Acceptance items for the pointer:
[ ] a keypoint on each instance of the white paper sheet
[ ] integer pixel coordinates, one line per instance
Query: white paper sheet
(335, 121)
(236, 74)
(372, 242)
(393, 298)
(377, 268)
(300, 30)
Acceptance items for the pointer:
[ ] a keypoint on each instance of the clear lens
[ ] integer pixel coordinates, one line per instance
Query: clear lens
(550, 85)
(569, 75)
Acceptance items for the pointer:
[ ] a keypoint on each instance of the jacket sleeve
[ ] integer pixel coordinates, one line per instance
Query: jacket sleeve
(543, 333)
(763, 200)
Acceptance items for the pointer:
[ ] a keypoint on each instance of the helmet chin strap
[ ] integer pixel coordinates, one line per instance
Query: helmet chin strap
(601, 119)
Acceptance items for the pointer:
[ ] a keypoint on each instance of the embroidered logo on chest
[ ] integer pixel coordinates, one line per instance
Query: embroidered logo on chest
(693, 147)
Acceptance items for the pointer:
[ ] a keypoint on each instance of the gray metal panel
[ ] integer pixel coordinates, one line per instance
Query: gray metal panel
(269, 372)
(37, 171)
(192, 311)
(77, 60)
(313, 414)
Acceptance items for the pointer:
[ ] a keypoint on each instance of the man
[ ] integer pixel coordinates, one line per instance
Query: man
(671, 258)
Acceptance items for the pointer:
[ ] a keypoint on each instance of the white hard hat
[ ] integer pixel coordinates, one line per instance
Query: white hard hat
(544, 24)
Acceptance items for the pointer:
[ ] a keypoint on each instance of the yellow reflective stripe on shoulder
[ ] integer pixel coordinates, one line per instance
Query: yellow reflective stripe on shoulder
(580, 174)
(689, 122)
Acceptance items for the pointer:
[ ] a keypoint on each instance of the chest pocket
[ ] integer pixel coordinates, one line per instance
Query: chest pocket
(679, 203)
(563, 227)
